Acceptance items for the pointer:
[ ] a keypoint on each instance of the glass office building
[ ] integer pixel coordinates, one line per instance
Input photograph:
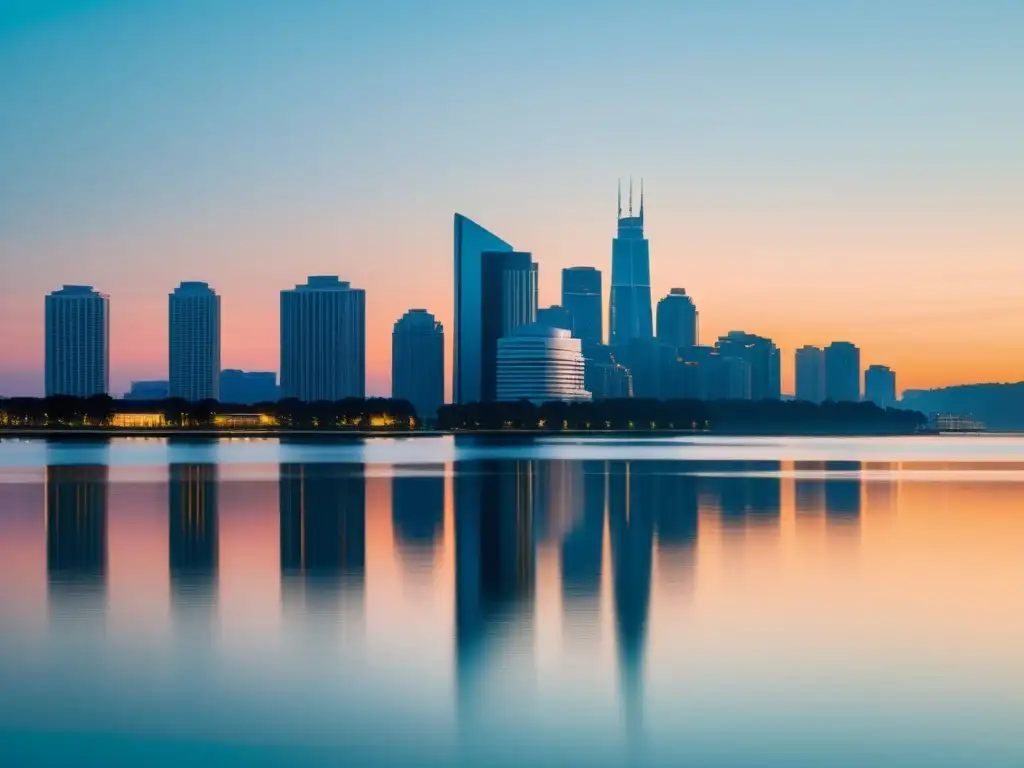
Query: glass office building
(471, 241)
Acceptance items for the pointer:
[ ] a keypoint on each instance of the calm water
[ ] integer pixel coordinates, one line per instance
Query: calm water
(563, 602)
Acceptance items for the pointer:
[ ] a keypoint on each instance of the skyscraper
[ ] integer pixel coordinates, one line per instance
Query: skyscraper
(677, 319)
(762, 357)
(842, 372)
(194, 343)
(471, 241)
(810, 374)
(323, 340)
(556, 317)
(77, 342)
(581, 296)
(509, 293)
(629, 311)
(880, 386)
(417, 362)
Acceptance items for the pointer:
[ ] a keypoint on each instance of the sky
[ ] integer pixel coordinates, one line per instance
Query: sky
(813, 171)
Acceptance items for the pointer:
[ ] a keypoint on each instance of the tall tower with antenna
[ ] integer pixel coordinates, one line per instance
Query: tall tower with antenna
(629, 310)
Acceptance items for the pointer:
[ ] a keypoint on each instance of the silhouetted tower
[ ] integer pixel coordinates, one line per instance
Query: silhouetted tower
(677, 319)
(417, 362)
(629, 311)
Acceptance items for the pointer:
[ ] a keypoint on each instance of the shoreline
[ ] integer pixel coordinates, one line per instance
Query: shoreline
(317, 434)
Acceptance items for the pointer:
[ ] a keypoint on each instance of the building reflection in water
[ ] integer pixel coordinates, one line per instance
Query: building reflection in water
(631, 524)
(749, 493)
(323, 532)
(675, 498)
(842, 493)
(881, 490)
(193, 534)
(809, 488)
(558, 488)
(495, 571)
(583, 550)
(76, 539)
(417, 514)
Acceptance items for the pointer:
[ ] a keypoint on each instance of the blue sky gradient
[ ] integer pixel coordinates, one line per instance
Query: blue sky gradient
(786, 145)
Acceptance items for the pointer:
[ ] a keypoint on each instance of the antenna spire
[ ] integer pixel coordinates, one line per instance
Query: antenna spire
(641, 198)
(620, 198)
(631, 197)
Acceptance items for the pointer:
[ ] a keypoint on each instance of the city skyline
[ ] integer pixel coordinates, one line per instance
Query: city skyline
(789, 193)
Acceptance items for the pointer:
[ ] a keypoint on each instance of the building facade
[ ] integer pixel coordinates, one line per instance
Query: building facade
(629, 310)
(677, 320)
(248, 387)
(761, 356)
(810, 374)
(471, 242)
(148, 390)
(194, 342)
(842, 372)
(581, 296)
(323, 340)
(417, 362)
(509, 291)
(604, 376)
(77, 342)
(556, 317)
(880, 386)
(540, 364)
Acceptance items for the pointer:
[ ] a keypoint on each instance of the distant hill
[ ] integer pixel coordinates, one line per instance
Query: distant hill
(999, 406)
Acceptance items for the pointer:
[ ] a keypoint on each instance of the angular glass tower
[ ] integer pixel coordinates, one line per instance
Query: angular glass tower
(471, 241)
(629, 311)
(509, 289)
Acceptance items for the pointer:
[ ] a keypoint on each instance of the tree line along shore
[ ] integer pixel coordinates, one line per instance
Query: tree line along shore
(103, 413)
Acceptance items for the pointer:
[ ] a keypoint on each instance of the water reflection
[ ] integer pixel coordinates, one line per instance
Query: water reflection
(582, 551)
(193, 535)
(417, 514)
(323, 533)
(842, 492)
(616, 609)
(76, 540)
(748, 493)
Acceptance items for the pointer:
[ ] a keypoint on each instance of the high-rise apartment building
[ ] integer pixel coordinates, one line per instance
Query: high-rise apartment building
(629, 310)
(880, 386)
(677, 319)
(761, 356)
(77, 342)
(842, 372)
(581, 296)
(471, 241)
(810, 374)
(194, 342)
(323, 340)
(417, 362)
(509, 292)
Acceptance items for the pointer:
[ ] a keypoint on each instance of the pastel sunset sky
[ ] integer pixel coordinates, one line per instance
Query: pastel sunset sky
(814, 170)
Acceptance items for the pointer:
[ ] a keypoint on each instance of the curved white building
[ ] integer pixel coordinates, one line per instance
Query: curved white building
(540, 363)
